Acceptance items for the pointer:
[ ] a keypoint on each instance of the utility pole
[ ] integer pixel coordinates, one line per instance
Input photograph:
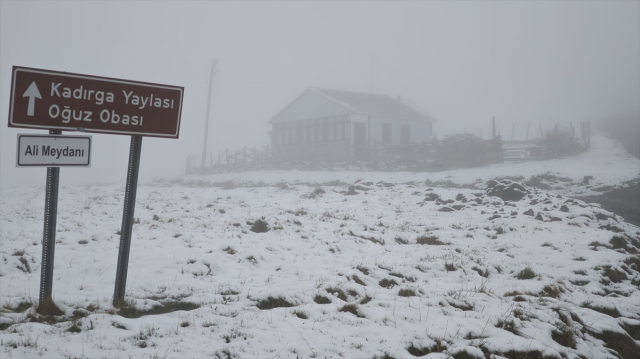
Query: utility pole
(206, 124)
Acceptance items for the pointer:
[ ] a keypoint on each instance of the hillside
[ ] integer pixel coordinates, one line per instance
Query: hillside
(335, 264)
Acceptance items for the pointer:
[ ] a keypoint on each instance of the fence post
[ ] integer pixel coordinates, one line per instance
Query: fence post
(493, 128)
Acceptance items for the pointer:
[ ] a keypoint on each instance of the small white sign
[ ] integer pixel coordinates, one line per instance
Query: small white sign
(53, 150)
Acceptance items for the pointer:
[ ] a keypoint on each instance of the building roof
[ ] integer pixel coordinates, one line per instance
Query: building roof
(338, 103)
(372, 104)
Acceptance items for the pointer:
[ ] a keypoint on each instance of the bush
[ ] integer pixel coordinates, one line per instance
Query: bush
(526, 273)
(260, 226)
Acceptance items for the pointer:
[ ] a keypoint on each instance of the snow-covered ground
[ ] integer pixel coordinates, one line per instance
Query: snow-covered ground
(354, 265)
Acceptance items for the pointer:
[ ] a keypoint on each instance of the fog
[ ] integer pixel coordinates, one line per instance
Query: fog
(462, 62)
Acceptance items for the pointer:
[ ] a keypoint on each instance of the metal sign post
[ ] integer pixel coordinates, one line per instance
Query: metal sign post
(49, 235)
(127, 220)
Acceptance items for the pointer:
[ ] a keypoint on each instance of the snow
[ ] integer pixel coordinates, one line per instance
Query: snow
(193, 243)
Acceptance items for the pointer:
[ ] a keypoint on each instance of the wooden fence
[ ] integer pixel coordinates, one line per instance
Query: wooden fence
(453, 152)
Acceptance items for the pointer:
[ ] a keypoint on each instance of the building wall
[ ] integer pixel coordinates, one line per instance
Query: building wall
(418, 130)
(311, 131)
(342, 128)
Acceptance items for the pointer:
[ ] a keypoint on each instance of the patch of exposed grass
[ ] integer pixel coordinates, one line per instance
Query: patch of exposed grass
(526, 273)
(271, 302)
(632, 330)
(252, 259)
(579, 282)
(450, 267)
(365, 300)
(385, 355)
(321, 299)
(25, 267)
(229, 250)
(481, 272)
(119, 325)
(317, 192)
(460, 304)
(338, 292)
(529, 354)
(229, 291)
(363, 269)
(611, 228)
(621, 343)
(353, 309)
(386, 283)
(522, 314)
(431, 240)
(438, 347)
(614, 275)
(633, 263)
(463, 355)
(358, 280)
(552, 290)
(401, 240)
(610, 311)
(564, 335)
(129, 311)
(406, 293)
(508, 325)
(618, 242)
(18, 253)
(49, 308)
(300, 314)
(20, 307)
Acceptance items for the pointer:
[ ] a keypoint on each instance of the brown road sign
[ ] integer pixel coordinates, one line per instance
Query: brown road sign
(44, 99)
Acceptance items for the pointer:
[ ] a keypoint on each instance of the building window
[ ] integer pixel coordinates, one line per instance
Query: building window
(305, 132)
(312, 132)
(386, 133)
(405, 134)
(286, 133)
(331, 129)
(297, 133)
(321, 129)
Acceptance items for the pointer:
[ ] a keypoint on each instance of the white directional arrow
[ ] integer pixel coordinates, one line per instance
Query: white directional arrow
(33, 93)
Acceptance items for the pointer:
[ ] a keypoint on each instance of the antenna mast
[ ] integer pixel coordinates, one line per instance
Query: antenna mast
(373, 59)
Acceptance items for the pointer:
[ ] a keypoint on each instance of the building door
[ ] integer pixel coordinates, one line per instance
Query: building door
(359, 134)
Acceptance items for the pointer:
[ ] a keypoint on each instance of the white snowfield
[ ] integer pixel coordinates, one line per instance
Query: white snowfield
(354, 265)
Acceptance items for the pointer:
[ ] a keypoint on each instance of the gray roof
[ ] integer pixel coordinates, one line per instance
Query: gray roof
(372, 104)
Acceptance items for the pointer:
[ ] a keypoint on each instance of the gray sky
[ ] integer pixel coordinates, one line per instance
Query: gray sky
(463, 62)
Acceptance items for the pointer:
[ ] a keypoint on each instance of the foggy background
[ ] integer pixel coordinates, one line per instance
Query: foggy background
(462, 62)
